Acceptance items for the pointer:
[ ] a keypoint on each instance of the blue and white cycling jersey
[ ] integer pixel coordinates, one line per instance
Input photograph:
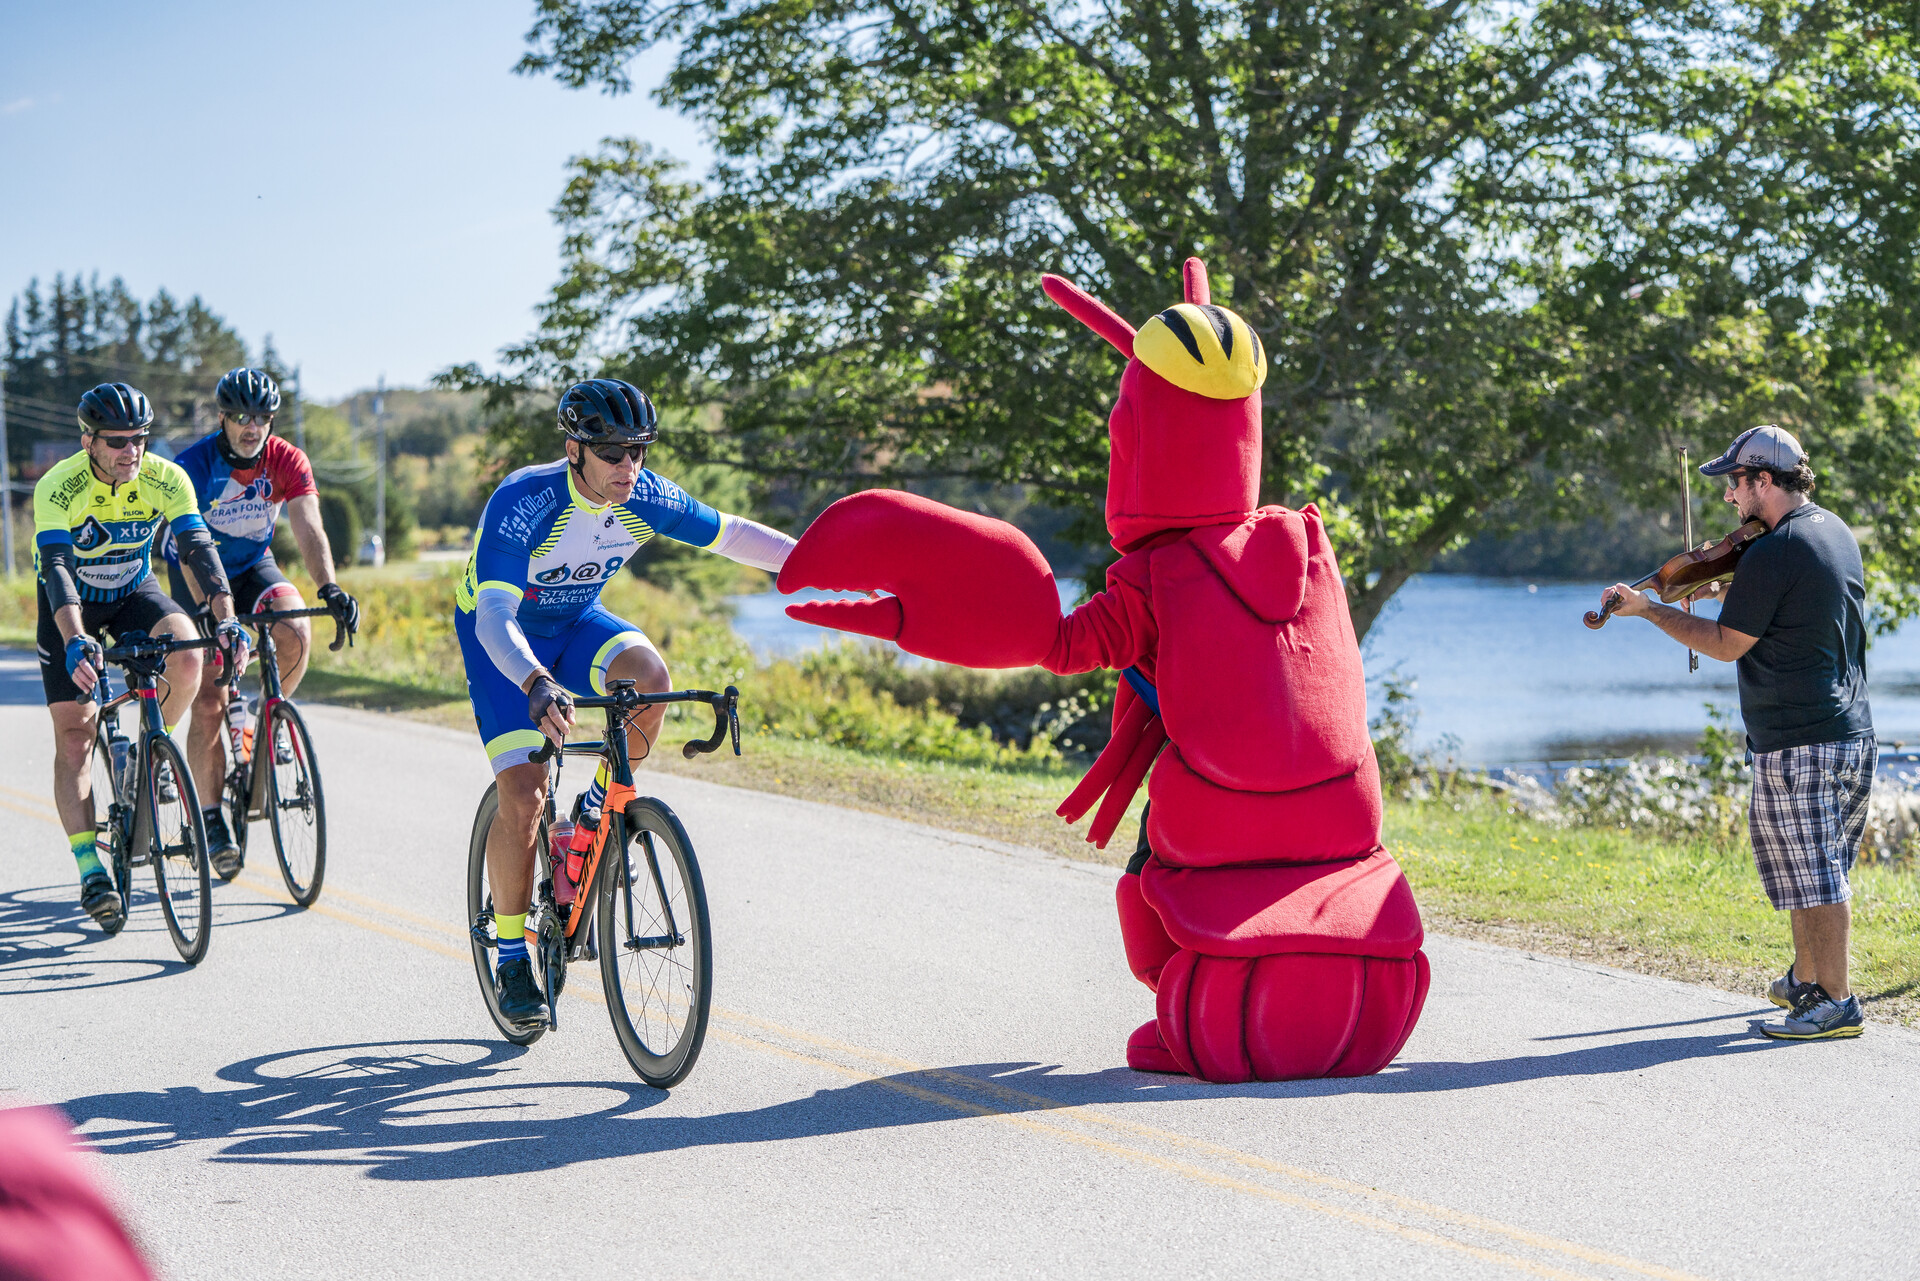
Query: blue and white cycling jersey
(542, 541)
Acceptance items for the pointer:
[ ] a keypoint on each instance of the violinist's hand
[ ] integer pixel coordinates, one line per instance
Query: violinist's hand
(1707, 591)
(1633, 602)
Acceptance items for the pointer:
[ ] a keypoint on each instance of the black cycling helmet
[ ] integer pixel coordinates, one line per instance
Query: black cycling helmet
(247, 391)
(115, 407)
(608, 410)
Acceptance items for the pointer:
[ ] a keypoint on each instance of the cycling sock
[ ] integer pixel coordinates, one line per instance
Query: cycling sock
(512, 933)
(595, 796)
(85, 853)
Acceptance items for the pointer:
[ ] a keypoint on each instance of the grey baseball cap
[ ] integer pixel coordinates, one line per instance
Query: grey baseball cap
(1771, 447)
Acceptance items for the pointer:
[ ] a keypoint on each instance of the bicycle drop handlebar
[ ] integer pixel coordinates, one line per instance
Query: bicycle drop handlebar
(341, 635)
(143, 656)
(726, 717)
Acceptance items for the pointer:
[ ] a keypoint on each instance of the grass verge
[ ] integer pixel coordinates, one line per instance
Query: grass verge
(1691, 911)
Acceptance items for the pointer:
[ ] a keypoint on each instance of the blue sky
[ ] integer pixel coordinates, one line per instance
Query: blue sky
(367, 182)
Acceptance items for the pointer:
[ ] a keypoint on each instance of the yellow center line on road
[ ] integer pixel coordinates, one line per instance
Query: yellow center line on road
(44, 815)
(1058, 1108)
(1174, 1139)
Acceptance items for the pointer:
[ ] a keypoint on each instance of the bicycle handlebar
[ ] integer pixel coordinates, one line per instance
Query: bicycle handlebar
(142, 653)
(261, 618)
(725, 705)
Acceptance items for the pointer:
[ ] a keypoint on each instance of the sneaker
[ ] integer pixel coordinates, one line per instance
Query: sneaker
(1818, 1017)
(521, 1003)
(222, 850)
(168, 789)
(283, 747)
(1781, 991)
(101, 901)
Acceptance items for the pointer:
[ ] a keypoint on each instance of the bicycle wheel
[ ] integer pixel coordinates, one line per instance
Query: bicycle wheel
(108, 841)
(296, 807)
(656, 955)
(177, 840)
(480, 915)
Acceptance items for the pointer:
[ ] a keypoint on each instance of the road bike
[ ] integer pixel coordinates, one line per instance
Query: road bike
(640, 907)
(151, 814)
(276, 776)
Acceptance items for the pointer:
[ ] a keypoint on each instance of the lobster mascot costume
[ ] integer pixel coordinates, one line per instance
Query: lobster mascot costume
(1279, 937)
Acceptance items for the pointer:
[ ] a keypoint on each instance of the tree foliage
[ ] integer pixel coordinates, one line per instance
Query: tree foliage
(80, 333)
(1504, 257)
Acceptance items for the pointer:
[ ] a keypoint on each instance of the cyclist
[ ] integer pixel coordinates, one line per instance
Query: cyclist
(242, 475)
(94, 517)
(531, 626)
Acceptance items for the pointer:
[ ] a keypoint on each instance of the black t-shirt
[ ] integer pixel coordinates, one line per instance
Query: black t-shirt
(1801, 590)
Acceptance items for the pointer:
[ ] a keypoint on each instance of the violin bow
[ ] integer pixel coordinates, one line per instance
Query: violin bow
(1686, 524)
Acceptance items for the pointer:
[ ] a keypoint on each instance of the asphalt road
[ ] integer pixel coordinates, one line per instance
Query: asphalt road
(914, 1069)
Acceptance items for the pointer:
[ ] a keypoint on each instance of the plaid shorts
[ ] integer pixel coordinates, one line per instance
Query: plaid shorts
(1808, 813)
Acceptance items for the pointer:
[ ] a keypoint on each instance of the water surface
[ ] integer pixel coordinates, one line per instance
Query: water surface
(1507, 669)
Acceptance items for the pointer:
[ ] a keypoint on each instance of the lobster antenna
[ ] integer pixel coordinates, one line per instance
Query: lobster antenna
(1194, 274)
(1090, 311)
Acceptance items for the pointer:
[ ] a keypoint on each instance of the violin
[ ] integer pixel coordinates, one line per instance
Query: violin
(1686, 573)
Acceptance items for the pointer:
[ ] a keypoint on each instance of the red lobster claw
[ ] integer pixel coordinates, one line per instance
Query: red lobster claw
(965, 589)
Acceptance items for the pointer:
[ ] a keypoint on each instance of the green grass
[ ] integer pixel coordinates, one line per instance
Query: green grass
(1690, 910)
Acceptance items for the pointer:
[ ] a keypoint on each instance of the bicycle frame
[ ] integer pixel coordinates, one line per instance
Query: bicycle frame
(145, 661)
(621, 703)
(262, 622)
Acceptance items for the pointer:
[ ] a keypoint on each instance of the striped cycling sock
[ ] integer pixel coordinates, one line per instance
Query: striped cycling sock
(85, 853)
(595, 796)
(511, 931)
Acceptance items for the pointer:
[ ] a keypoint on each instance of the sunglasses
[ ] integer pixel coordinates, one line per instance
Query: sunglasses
(118, 443)
(614, 455)
(248, 420)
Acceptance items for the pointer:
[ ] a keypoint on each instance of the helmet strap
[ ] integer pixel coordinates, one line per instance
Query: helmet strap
(579, 469)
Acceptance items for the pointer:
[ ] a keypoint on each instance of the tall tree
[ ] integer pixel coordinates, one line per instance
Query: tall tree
(1503, 257)
(79, 333)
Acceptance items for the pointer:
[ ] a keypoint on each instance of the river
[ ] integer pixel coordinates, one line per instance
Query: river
(1506, 669)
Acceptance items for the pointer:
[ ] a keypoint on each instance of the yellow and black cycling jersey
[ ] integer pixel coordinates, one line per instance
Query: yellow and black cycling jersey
(109, 526)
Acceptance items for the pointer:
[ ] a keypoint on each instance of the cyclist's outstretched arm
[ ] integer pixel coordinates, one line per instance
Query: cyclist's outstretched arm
(751, 543)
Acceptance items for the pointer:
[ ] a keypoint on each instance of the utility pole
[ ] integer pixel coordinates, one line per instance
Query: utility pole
(299, 411)
(6, 476)
(380, 472)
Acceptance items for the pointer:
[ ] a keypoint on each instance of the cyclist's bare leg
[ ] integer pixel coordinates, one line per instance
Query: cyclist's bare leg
(641, 663)
(72, 770)
(207, 735)
(292, 639)
(181, 681)
(523, 794)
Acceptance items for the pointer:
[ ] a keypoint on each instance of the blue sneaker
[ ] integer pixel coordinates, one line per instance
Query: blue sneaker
(1783, 989)
(1818, 1017)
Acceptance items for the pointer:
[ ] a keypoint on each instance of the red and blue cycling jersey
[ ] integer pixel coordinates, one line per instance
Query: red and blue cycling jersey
(541, 541)
(241, 504)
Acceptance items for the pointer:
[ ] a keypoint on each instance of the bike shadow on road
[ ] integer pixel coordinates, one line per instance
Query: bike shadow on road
(47, 944)
(456, 1109)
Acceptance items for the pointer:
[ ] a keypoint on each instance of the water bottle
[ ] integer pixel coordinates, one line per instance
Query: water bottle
(239, 726)
(581, 841)
(562, 839)
(122, 751)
